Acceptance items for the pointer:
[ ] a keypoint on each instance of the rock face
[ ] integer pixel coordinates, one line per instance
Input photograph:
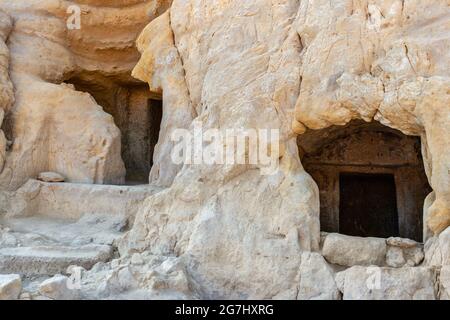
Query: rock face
(403, 252)
(296, 68)
(316, 279)
(370, 283)
(388, 71)
(6, 93)
(444, 280)
(74, 101)
(52, 126)
(73, 201)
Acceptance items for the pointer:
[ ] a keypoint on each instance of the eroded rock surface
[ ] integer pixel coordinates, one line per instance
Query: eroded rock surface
(51, 126)
(316, 279)
(317, 63)
(371, 283)
(392, 67)
(215, 231)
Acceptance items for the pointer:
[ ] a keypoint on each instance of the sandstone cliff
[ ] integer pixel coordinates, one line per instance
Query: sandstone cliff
(222, 230)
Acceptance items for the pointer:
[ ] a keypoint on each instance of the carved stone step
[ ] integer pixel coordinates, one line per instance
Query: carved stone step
(51, 260)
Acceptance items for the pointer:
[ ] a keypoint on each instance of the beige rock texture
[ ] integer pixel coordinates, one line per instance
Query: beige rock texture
(372, 283)
(393, 68)
(444, 280)
(202, 231)
(58, 288)
(354, 251)
(260, 59)
(316, 279)
(437, 250)
(6, 87)
(53, 127)
(10, 286)
(314, 63)
(403, 252)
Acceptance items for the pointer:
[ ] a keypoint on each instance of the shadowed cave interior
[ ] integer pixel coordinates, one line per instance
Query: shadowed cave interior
(137, 112)
(371, 179)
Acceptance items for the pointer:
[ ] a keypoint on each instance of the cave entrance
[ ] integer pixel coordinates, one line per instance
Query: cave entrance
(371, 179)
(368, 205)
(155, 107)
(141, 134)
(137, 112)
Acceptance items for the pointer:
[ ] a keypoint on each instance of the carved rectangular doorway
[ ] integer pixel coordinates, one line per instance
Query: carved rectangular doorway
(368, 205)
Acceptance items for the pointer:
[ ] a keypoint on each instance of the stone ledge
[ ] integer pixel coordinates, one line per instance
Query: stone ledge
(72, 201)
(351, 251)
(51, 260)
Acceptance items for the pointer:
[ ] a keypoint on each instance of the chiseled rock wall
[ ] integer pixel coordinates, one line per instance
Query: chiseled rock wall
(289, 65)
(242, 233)
(51, 126)
(228, 231)
(6, 88)
(382, 60)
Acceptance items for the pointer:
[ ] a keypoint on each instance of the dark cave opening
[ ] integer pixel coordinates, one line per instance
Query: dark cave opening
(371, 179)
(368, 205)
(137, 113)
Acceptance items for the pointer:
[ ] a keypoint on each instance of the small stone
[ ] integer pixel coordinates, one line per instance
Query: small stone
(99, 267)
(316, 279)
(395, 258)
(10, 286)
(414, 256)
(401, 242)
(353, 251)
(444, 283)
(57, 288)
(50, 177)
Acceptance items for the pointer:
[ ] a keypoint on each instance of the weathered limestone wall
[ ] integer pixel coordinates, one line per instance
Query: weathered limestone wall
(233, 227)
(382, 60)
(53, 127)
(6, 93)
(225, 231)
(263, 65)
(138, 121)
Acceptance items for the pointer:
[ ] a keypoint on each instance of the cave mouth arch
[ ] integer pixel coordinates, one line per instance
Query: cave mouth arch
(371, 179)
(136, 111)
